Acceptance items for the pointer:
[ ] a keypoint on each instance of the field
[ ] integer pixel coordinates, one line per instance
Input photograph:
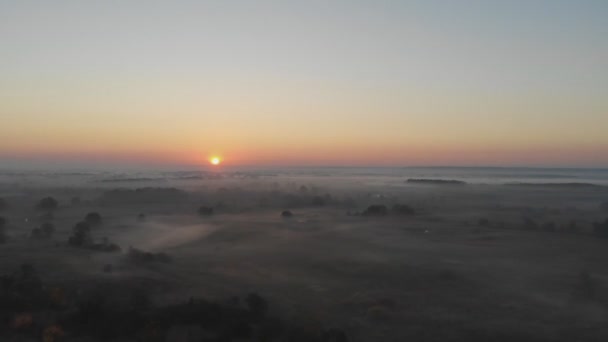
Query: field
(437, 261)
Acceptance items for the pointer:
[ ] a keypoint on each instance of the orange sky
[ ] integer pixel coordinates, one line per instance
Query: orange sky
(306, 83)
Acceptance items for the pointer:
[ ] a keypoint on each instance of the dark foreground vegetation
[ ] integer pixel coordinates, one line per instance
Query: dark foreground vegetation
(31, 308)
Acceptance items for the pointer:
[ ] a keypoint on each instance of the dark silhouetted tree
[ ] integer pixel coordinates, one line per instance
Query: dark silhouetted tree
(47, 228)
(286, 213)
(205, 211)
(402, 209)
(318, 201)
(601, 229)
(3, 237)
(549, 226)
(47, 203)
(256, 304)
(93, 219)
(81, 235)
(375, 210)
(530, 224)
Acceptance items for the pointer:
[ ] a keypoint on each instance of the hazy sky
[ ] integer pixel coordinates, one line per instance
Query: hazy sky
(305, 82)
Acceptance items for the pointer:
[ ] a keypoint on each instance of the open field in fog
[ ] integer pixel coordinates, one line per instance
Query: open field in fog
(472, 261)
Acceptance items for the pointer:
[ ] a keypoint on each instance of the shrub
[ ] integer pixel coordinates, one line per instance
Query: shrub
(530, 224)
(93, 219)
(334, 335)
(107, 268)
(43, 232)
(81, 235)
(483, 222)
(37, 233)
(318, 201)
(105, 246)
(256, 304)
(47, 228)
(586, 287)
(205, 211)
(402, 209)
(549, 226)
(141, 218)
(47, 203)
(601, 229)
(3, 237)
(375, 210)
(138, 256)
(286, 213)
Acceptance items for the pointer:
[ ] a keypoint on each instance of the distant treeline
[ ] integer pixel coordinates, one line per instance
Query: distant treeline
(557, 185)
(436, 181)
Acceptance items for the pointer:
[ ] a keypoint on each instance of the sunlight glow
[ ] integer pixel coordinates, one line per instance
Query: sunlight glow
(215, 160)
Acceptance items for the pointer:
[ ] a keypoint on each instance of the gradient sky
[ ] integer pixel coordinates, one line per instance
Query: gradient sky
(305, 82)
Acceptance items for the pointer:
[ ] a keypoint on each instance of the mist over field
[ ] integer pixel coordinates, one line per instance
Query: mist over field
(323, 254)
(304, 171)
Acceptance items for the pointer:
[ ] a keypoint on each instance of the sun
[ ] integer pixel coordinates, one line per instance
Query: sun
(215, 160)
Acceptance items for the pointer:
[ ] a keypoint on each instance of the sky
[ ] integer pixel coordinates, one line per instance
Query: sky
(370, 83)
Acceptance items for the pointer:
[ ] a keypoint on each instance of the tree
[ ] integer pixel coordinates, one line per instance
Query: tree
(205, 211)
(47, 228)
(93, 219)
(318, 201)
(402, 209)
(601, 229)
(375, 210)
(81, 235)
(286, 213)
(2, 232)
(256, 304)
(47, 203)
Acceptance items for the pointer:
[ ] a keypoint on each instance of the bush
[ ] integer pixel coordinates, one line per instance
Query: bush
(318, 201)
(45, 231)
(530, 224)
(402, 209)
(47, 228)
(205, 211)
(81, 235)
(37, 234)
(141, 218)
(601, 229)
(548, 226)
(256, 304)
(47, 203)
(93, 219)
(138, 256)
(286, 213)
(334, 335)
(376, 210)
(3, 237)
(105, 246)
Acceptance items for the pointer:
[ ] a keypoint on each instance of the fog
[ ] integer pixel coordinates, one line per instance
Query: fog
(366, 255)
